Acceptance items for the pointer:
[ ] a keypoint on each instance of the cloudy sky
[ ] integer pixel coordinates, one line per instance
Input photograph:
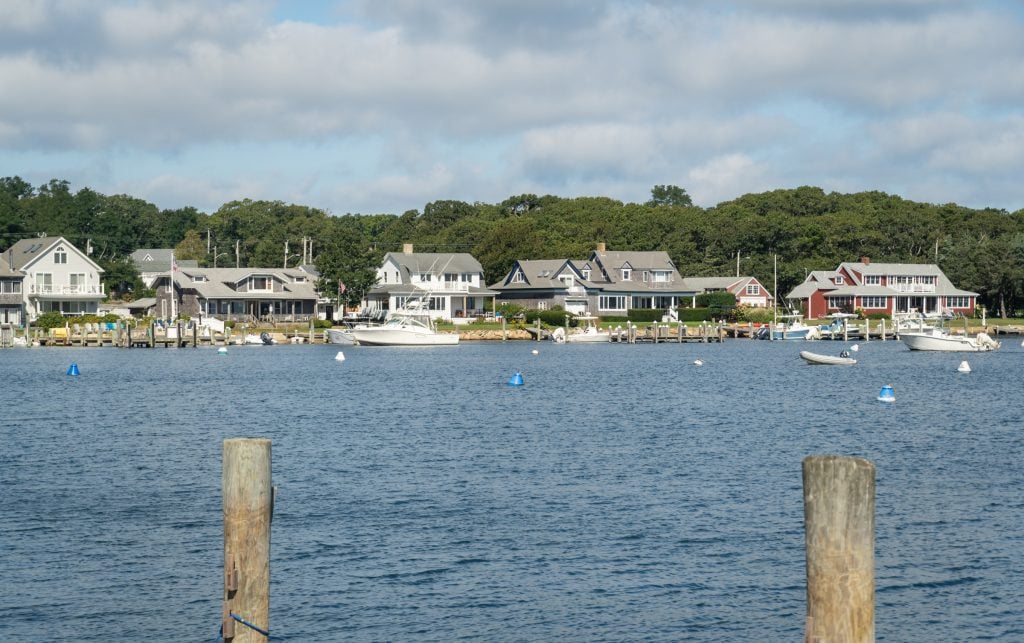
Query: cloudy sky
(385, 105)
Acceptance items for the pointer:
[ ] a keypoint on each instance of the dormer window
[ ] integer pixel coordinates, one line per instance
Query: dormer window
(518, 277)
(198, 278)
(60, 255)
(262, 283)
(627, 274)
(586, 273)
(299, 280)
(840, 280)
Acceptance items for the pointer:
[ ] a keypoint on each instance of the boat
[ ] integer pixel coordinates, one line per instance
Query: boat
(843, 359)
(912, 321)
(840, 327)
(404, 329)
(588, 332)
(937, 338)
(791, 327)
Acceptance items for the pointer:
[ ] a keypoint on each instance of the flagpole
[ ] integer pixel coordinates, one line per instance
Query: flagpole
(174, 312)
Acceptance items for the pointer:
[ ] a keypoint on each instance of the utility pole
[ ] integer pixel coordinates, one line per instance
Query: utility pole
(285, 253)
(737, 263)
(238, 243)
(207, 241)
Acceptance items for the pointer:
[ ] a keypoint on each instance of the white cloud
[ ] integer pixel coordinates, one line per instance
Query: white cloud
(429, 101)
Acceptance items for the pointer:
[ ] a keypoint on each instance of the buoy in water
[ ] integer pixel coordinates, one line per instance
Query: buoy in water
(886, 394)
(223, 350)
(698, 362)
(535, 351)
(964, 367)
(73, 369)
(516, 379)
(855, 348)
(340, 356)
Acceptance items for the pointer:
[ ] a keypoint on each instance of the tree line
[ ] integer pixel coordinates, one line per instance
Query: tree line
(800, 230)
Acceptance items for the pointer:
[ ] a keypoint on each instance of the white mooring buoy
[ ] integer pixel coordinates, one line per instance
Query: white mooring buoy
(964, 367)
(698, 362)
(535, 351)
(340, 356)
(223, 350)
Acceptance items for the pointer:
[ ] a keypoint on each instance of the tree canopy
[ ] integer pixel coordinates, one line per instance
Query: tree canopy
(805, 228)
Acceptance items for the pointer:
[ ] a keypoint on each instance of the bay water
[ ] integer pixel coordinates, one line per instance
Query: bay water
(623, 493)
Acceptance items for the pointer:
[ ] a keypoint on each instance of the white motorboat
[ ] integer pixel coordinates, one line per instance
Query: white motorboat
(841, 327)
(792, 327)
(588, 332)
(404, 329)
(940, 339)
(843, 359)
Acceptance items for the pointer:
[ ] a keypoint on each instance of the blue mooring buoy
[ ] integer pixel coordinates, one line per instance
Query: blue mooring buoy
(516, 379)
(73, 369)
(886, 394)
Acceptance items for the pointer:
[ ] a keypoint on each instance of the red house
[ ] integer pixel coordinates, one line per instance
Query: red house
(881, 288)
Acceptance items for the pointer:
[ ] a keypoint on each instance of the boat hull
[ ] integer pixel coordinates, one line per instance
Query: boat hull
(341, 336)
(946, 343)
(398, 337)
(588, 338)
(829, 360)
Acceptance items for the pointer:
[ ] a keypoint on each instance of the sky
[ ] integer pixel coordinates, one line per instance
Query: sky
(383, 106)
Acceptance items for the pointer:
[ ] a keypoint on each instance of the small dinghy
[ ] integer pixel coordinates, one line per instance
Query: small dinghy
(843, 359)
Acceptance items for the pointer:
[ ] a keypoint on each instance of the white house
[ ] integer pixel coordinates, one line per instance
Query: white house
(55, 276)
(451, 283)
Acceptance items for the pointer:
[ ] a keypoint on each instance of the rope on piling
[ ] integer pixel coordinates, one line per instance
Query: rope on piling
(246, 623)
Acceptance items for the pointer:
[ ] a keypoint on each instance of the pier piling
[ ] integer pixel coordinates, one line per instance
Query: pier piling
(839, 527)
(248, 509)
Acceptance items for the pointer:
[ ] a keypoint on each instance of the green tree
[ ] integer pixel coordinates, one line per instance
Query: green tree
(191, 247)
(669, 195)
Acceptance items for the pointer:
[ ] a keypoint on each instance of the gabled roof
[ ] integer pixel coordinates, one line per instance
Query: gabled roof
(540, 274)
(158, 260)
(709, 283)
(222, 283)
(23, 253)
(822, 280)
(434, 262)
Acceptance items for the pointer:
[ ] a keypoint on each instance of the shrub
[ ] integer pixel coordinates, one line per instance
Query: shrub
(694, 314)
(644, 314)
(322, 323)
(718, 299)
(754, 315)
(553, 317)
(52, 319)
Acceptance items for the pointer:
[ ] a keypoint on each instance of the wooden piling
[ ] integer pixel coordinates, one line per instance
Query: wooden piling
(248, 509)
(839, 526)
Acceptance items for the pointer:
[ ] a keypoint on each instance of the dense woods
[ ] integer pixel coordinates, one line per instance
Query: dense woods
(806, 228)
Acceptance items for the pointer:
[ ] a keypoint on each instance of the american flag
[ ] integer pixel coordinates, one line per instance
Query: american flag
(341, 287)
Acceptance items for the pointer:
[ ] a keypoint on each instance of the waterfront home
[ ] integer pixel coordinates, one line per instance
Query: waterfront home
(748, 290)
(239, 294)
(606, 283)
(154, 263)
(881, 288)
(451, 285)
(47, 274)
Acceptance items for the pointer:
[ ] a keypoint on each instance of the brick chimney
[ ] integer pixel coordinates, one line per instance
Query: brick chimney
(600, 246)
(865, 260)
(407, 248)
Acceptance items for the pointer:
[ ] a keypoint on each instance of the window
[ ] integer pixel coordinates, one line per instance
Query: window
(873, 280)
(612, 302)
(542, 305)
(77, 281)
(518, 277)
(298, 280)
(844, 301)
(840, 280)
(627, 274)
(260, 283)
(958, 302)
(643, 302)
(753, 289)
(586, 273)
(646, 276)
(873, 302)
(566, 280)
(661, 276)
(10, 287)
(44, 282)
(60, 255)
(198, 278)
(426, 276)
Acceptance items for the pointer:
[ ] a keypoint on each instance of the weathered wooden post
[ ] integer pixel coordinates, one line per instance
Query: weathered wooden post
(248, 509)
(883, 329)
(839, 527)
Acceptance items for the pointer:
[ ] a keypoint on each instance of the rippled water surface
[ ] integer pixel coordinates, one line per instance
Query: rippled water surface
(621, 494)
